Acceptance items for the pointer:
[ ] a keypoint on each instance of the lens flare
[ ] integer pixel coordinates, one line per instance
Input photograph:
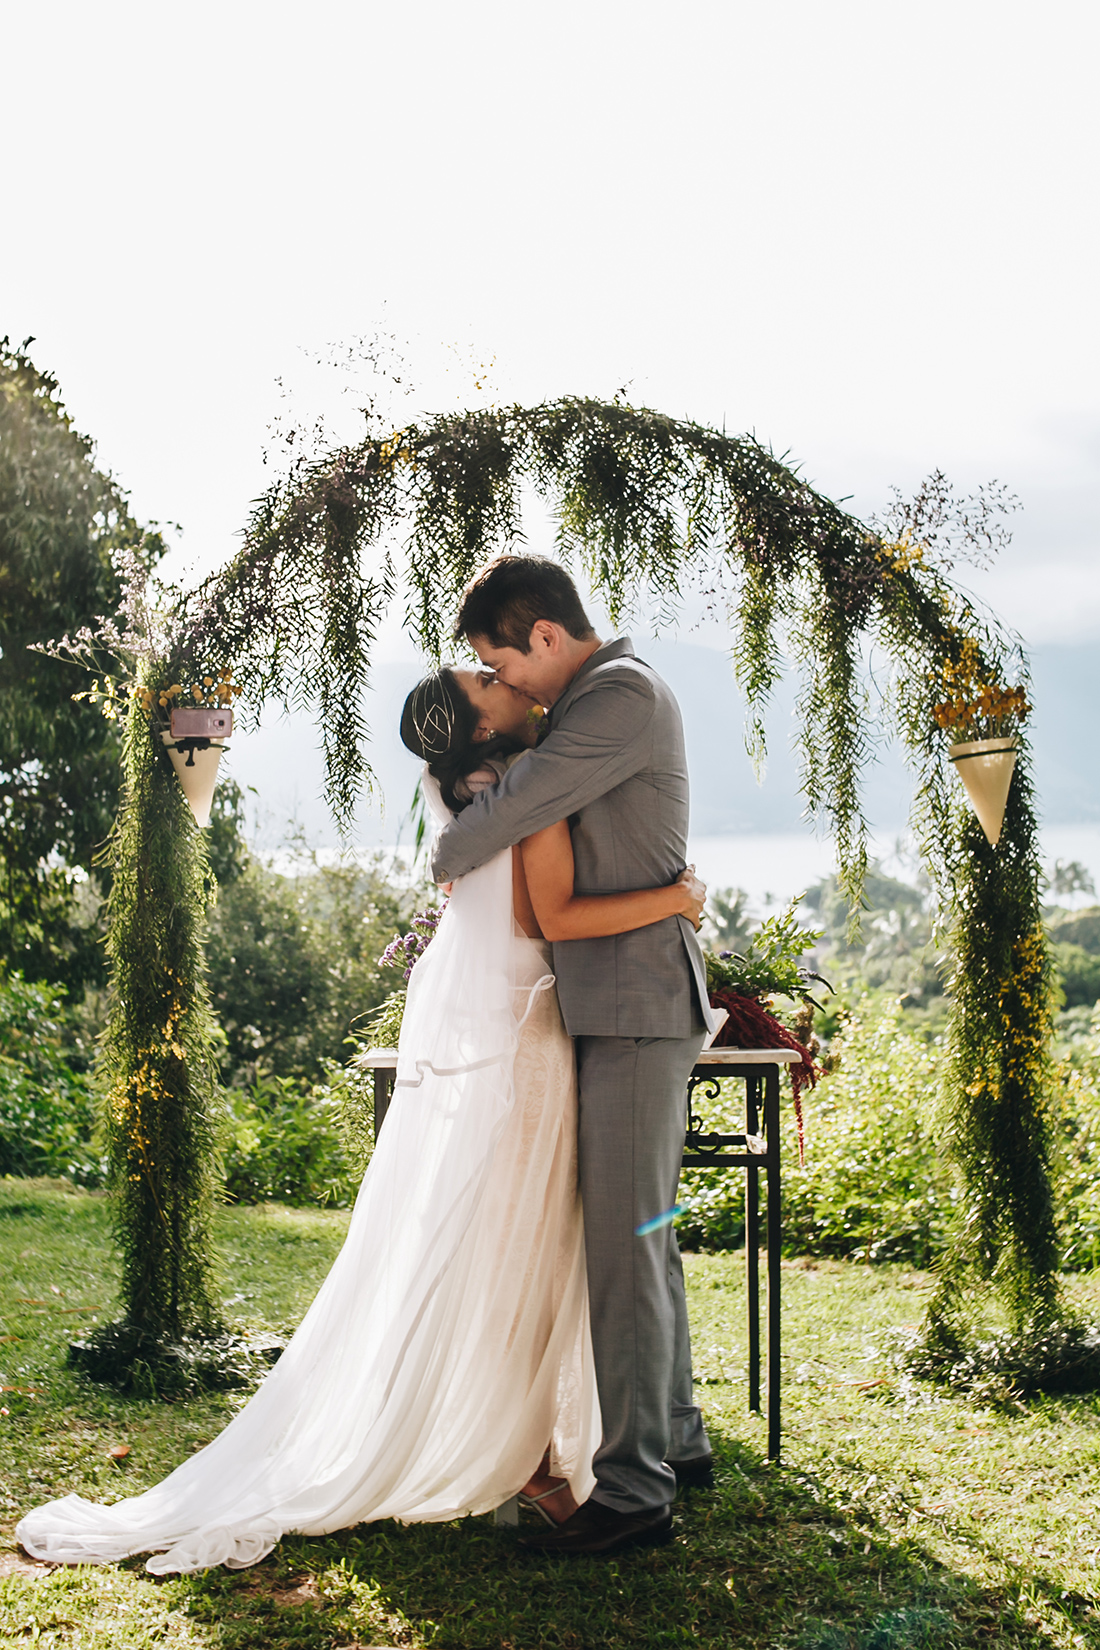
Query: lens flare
(658, 1221)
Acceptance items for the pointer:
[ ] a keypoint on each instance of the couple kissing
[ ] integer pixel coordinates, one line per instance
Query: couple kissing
(496, 1323)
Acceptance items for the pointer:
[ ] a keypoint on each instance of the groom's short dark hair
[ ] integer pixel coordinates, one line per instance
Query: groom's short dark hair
(507, 598)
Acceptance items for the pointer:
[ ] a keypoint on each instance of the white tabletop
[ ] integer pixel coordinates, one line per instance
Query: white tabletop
(748, 1057)
(385, 1059)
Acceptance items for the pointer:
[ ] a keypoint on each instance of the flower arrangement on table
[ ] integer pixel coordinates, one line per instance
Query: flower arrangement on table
(745, 983)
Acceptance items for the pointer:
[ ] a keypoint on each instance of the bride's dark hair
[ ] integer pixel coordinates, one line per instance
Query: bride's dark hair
(438, 724)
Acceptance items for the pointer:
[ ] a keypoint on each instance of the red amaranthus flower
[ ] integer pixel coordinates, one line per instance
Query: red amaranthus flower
(751, 1025)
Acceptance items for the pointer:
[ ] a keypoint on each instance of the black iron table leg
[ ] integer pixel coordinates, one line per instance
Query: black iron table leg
(754, 1151)
(752, 1244)
(383, 1094)
(775, 1255)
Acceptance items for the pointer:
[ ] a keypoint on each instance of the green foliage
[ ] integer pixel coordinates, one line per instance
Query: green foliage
(995, 1121)
(1077, 1149)
(226, 846)
(298, 1145)
(770, 964)
(1075, 941)
(996, 1116)
(383, 1029)
(158, 1060)
(727, 923)
(62, 522)
(47, 1110)
(877, 1184)
(1075, 927)
(639, 497)
(897, 948)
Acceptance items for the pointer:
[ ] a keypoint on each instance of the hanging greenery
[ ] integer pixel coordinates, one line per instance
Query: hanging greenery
(157, 1058)
(157, 1061)
(649, 507)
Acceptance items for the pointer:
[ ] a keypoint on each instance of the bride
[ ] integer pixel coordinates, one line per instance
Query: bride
(445, 1364)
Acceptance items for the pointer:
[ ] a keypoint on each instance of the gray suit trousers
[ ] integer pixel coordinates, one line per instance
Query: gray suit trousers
(632, 1122)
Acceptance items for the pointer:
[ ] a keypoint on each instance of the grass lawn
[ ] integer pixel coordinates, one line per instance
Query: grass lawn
(898, 1518)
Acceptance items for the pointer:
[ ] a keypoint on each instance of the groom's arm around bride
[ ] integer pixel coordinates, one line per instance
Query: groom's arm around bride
(613, 763)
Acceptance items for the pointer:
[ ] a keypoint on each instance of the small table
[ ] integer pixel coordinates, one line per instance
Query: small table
(751, 1151)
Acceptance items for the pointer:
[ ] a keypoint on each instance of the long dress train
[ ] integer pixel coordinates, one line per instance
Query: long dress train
(450, 1340)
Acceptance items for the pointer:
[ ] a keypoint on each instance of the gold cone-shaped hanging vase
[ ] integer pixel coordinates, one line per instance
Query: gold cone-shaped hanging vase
(985, 768)
(198, 774)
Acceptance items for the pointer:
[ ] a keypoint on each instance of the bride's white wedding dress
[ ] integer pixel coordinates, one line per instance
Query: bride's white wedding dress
(450, 1341)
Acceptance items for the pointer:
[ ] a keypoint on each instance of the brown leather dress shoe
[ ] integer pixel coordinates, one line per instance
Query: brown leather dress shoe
(598, 1530)
(696, 1473)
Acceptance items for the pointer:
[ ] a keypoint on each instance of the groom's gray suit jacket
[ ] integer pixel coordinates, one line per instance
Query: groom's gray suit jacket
(613, 764)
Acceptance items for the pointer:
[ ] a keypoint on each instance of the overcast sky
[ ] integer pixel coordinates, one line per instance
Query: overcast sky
(867, 231)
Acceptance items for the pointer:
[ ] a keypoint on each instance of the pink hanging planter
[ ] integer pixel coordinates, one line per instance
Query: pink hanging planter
(194, 745)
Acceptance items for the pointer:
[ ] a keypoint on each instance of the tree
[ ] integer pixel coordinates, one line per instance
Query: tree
(294, 963)
(293, 956)
(62, 521)
(1070, 877)
(727, 921)
(896, 946)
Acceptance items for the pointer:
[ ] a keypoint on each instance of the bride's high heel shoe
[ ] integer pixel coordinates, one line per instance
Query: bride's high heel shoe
(533, 1503)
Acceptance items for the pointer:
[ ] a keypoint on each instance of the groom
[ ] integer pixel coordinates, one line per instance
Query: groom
(612, 763)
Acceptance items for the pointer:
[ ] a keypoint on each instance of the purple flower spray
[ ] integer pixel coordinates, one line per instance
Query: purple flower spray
(404, 951)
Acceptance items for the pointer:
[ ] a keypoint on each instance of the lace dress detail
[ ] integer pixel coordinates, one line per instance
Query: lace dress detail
(450, 1340)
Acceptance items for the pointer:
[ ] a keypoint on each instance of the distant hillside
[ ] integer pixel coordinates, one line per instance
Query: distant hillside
(283, 763)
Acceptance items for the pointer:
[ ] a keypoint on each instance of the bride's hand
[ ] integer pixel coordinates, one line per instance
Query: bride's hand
(695, 896)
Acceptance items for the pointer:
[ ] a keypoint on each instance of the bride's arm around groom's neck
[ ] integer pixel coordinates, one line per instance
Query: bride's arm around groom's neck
(601, 740)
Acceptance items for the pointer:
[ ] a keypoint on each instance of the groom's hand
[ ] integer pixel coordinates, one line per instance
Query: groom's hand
(695, 896)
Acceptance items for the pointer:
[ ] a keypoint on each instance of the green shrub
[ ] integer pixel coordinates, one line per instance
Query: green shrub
(293, 963)
(874, 1184)
(47, 1110)
(298, 1144)
(1077, 1159)
(383, 1029)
